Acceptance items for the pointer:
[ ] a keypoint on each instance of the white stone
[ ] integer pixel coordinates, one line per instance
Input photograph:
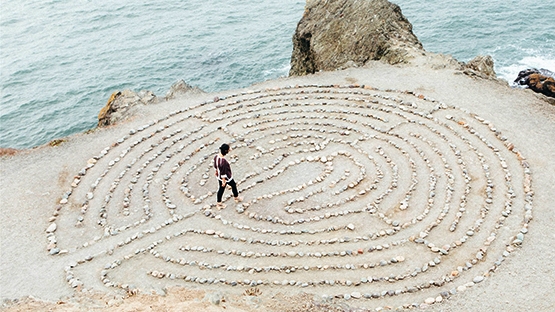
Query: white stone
(51, 228)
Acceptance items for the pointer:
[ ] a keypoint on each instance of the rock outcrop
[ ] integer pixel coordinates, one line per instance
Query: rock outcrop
(120, 104)
(540, 81)
(481, 66)
(6, 151)
(181, 88)
(336, 34)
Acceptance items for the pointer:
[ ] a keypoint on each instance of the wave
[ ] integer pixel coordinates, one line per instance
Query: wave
(510, 72)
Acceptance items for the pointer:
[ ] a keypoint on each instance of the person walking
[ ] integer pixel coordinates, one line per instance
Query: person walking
(225, 176)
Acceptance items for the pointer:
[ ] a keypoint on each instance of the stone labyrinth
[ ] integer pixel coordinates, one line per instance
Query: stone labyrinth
(379, 197)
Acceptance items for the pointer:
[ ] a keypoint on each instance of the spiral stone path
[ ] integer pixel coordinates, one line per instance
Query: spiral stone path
(357, 194)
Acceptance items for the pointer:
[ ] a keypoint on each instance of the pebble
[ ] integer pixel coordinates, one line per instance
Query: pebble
(51, 228)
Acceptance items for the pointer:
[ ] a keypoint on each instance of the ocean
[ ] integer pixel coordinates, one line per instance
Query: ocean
(61, 60)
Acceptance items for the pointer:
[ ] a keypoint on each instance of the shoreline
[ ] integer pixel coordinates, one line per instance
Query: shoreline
(9, 151)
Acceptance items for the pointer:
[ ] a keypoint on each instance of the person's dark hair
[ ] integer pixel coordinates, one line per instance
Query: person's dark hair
(224, 149)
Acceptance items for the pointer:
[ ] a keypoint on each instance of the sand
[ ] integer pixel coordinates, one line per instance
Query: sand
(33, 183)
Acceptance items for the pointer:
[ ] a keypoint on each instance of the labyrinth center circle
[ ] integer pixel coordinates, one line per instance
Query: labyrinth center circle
(347, 190)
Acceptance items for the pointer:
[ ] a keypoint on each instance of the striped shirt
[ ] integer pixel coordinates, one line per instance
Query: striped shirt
(223, 169)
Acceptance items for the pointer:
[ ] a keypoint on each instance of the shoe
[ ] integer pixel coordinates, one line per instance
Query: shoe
(238, 199)
(220, 206)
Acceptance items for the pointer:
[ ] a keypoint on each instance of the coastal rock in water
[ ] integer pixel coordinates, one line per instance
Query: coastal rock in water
(542, 84)
(541, 81)
(120, 104)
(481, 66)
(337, 34)
(182, 88)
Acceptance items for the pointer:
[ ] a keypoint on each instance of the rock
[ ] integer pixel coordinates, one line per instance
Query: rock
(356, 295)
(540, 81)
(75, 283)
(51, 228)
(481, 66)
(338, 34)
(181, 88)
(478, 279)
(120, 105)
(214, 298)
(8, 151)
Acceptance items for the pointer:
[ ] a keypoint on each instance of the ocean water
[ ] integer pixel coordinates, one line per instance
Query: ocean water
(61, 60)
(517, 34)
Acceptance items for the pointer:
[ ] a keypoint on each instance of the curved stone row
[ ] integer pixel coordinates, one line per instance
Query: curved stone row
(350, 192)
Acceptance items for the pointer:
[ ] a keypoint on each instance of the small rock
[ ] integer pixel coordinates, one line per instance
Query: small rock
(51, 228)
(478, 279)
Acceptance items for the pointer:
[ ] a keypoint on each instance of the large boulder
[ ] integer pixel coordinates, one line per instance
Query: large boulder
(336, 34)
(540, 81)
(120, 105)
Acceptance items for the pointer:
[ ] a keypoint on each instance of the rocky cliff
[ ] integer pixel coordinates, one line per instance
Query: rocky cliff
(335, 34)
(121, 103)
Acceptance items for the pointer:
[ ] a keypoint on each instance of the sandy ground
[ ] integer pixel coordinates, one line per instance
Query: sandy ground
(33, 183)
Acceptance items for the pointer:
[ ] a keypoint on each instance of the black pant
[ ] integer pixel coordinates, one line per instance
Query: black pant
(222, 189)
